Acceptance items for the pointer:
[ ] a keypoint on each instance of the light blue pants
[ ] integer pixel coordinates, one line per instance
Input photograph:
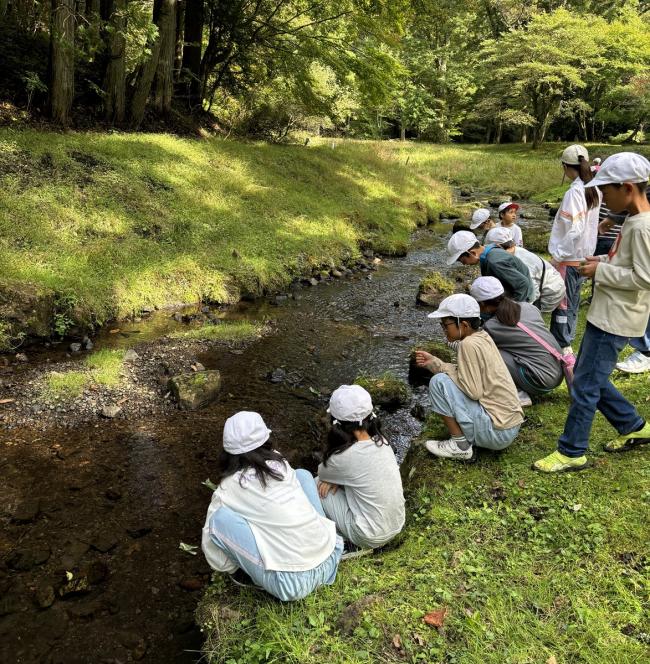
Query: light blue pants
(448, 399)
(337, 509)
(642, 343)
(232, 533)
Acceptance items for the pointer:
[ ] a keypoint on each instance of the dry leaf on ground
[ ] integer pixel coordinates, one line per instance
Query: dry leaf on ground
(435, 618)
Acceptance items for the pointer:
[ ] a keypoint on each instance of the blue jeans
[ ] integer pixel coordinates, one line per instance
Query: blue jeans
(563, 320)
(231, 532)
(593, 390)
(448, 399)
(642, 343)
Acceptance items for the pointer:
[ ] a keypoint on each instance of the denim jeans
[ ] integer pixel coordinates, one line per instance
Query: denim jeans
(642, 343)
(592, 390)
(448, 399)
(563, 319)
(232, 533)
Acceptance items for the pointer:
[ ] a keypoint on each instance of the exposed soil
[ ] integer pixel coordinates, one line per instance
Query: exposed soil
(94, 512)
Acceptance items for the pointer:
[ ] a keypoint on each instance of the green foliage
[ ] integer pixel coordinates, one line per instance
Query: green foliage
(106, 366)
(225, 331)
(65, 385)
(386, 390)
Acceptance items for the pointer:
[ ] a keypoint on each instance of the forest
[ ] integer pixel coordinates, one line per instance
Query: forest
(452, 70)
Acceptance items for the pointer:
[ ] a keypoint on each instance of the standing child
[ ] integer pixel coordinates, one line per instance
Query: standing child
(507, 219)
(477, 398)
(359, 481)
(495, 262)
(573, 238)
(619, 310)
(266, 518)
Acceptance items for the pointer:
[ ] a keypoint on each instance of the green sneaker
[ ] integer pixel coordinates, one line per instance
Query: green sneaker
(630, 440)
(558, 463)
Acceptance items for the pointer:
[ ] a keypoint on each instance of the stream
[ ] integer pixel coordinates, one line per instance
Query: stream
(93, 515)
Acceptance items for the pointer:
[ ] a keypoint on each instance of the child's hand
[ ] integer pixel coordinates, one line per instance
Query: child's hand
(423, 359)
(325, 488)
(588, 266)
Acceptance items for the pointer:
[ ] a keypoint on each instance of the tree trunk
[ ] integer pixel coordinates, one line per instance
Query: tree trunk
(497, 140)
(62, 60)
(164, 81)
(194, 18)
(115, 81)
(178, 46)
(143, 86)
(524, 135)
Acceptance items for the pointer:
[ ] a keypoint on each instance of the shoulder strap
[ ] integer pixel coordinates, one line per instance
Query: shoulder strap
(485, 253)
(555, 353)
(541, 281)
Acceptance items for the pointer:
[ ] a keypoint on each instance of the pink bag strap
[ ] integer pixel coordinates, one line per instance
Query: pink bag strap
(556, 354)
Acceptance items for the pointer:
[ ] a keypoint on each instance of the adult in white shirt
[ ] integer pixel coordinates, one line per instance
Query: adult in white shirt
(573, 238)
(547, 282)
(266, 519)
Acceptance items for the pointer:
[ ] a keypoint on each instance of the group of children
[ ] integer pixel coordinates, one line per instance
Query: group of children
(284, 530)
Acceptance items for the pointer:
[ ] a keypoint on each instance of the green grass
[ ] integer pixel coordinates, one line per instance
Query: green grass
(106, 366)
(65, 385)
(228, 331)
(117, 222)
(528, 566)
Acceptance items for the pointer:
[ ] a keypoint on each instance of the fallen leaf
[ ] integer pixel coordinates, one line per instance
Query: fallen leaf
(188, 548)
(418, 639)
(551, 660)
(397, 642)
(7, 400)
(435, 618)
(115, 331)
(123, 400)
(211, 485)
(521, 484)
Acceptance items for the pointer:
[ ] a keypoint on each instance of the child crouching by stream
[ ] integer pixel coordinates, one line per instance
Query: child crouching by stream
(476, 398)
(359, 480)
(266, 519)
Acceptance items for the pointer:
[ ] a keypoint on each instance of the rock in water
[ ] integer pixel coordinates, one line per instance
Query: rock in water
(110, 411)
(75, 347)
(433, 289)
(195, 390)
(131, 356)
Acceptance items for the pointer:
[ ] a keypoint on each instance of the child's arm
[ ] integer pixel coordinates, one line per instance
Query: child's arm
(432, 363)
(573, 213)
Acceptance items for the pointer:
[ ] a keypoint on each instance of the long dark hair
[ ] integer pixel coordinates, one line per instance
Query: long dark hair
(586, 175)
(258, 459)
(508, 311)
(341, 436)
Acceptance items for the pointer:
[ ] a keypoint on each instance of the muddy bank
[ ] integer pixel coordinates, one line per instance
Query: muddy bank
(94, 513)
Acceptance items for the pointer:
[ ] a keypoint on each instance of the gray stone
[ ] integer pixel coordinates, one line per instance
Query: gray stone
(337, 274)
(27, 510)
(87, 343)
(131, 356)
(75, 347)
(110, 412)
(277, 376)
(195, 390)
(44, 596)
(313, 282)
(21, 357)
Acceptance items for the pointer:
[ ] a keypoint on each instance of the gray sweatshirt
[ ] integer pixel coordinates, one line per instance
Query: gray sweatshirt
(373, 487)
(540, 366)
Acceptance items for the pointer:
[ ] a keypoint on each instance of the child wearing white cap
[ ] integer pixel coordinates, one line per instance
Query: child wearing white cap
(507, 218)
(547, 281)
(517, 328)
(494, 262)
(619, 310)
(573, 238)
(359, 480)
(476, 398)
(266, 519)
(481, 221)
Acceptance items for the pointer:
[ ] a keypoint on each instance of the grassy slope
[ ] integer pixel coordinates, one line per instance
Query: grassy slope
(117, 222)
(528, 567)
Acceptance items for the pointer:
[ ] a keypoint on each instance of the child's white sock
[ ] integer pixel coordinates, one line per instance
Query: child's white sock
(461, 442)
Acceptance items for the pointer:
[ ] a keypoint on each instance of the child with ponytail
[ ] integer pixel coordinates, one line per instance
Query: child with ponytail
(359, 481)
(573, 238)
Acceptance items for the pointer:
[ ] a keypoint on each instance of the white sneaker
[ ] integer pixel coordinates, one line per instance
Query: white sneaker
(636, 363)
(447, 449)
(524, 399)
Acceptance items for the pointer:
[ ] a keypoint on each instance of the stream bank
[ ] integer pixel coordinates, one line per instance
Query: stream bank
(96, 511)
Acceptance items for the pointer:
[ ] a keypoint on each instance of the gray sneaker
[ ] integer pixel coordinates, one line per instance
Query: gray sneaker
(636, 363)
(447, 449)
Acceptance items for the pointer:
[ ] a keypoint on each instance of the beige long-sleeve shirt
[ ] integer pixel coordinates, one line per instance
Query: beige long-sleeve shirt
(621, 302)
(482, 375)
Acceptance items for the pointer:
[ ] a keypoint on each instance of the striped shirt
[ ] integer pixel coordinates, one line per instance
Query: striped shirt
(615, 230)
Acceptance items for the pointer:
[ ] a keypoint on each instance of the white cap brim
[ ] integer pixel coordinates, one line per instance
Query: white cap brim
(476, 224)
(599, 180)
(452, 259)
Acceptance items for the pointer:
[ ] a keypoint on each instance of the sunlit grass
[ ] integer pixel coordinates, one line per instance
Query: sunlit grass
(65, 385)
(106, 366)
(226, 331)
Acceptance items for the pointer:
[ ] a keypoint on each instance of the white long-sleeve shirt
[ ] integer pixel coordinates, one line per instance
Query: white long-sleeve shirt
(290, 534)
(575, 228)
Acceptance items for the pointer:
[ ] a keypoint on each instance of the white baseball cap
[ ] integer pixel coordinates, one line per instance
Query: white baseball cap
(458, 305)
(486, 288)
(622, 167)
(458, 244)
(498, 235)
(597, 160)
(479, 217)
(508, 204)
(350, 403)
(244, 432)
(573, 153)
